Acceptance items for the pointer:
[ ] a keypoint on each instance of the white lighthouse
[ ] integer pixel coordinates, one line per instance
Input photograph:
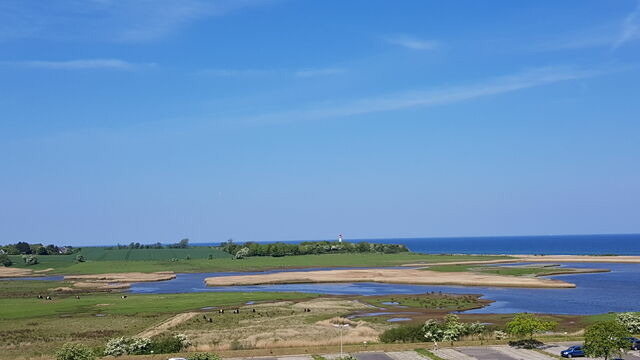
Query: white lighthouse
(339, 237)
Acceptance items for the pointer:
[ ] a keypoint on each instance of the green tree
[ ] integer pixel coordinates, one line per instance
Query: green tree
(605, 339)
(80, 258)
(71, 351)
(526, 325)
(23, 248)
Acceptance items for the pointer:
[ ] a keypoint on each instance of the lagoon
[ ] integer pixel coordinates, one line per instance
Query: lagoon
(595, 293)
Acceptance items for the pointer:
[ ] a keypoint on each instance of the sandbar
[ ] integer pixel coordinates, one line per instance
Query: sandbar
(131, 277)
(393, 276)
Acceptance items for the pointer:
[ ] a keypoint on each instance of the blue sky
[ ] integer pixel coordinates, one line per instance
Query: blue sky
(149, 121)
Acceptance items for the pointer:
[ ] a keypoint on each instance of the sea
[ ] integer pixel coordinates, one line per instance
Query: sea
(599, 244)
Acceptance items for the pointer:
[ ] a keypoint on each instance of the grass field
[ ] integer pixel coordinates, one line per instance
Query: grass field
(426, 301)
(100, 261)
(110, 304)
(29, 288)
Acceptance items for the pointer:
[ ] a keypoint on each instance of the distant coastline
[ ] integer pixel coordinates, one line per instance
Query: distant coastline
(591, 244)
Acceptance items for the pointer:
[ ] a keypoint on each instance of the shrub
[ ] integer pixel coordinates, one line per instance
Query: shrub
(30, 259)
(127, 346)
(204, 356)
(526, 344)
(71, 351)
(79, 258)
(5, 260)
(450, 329)
(630, 320)
(169, 344)
(407, 333)
(500, 335)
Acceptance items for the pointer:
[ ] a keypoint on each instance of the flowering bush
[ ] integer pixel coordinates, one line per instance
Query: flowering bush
(70, 351)
(127, 346)
(630, 320)
(184, 340)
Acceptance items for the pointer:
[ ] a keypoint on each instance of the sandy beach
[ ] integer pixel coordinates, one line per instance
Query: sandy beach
(394, 276)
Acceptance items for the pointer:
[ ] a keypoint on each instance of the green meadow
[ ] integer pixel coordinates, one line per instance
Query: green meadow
(114, 304)
(196, 259)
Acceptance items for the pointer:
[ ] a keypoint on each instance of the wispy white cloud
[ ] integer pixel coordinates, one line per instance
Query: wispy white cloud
(411, 42)
(235, 72)
(302, 73)
(108, 20)
(630, 28)
(613, 35)
(113, 64)
(318, 72)
(427, 98)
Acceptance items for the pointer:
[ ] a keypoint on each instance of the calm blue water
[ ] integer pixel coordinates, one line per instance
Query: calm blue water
(596, 293)
(626, 244)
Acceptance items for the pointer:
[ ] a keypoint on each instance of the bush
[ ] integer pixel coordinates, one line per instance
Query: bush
(500, 335)
(5, 260)
(526, 344)
(630, 320)
(204, 356)
(407, 333)
(169, 344)
(30, 259)
(79, 258)
(127, 346)
(71, 351)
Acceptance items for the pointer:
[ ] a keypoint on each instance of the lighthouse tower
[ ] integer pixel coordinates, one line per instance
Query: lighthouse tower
(339, 237)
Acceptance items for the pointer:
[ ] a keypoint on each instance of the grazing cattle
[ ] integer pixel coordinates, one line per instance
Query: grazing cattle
(40, 297)
(124, 296)
(49, 298)
(253, 310)
(77, 297)
(204, 317)
(221, 311)
(210, 320)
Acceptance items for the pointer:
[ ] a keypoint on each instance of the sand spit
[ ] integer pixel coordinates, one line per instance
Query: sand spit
(8, 272)
(393, 276)
(131, 277)
(117, 281)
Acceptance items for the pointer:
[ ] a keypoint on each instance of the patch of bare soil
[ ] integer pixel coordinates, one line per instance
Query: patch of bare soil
(167, 324)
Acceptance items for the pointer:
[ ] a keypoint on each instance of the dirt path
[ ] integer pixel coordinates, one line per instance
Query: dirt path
(168, 324)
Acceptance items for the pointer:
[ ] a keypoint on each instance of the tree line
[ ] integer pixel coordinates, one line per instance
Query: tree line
(24, 248)
(182, 244)
(307, 248)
